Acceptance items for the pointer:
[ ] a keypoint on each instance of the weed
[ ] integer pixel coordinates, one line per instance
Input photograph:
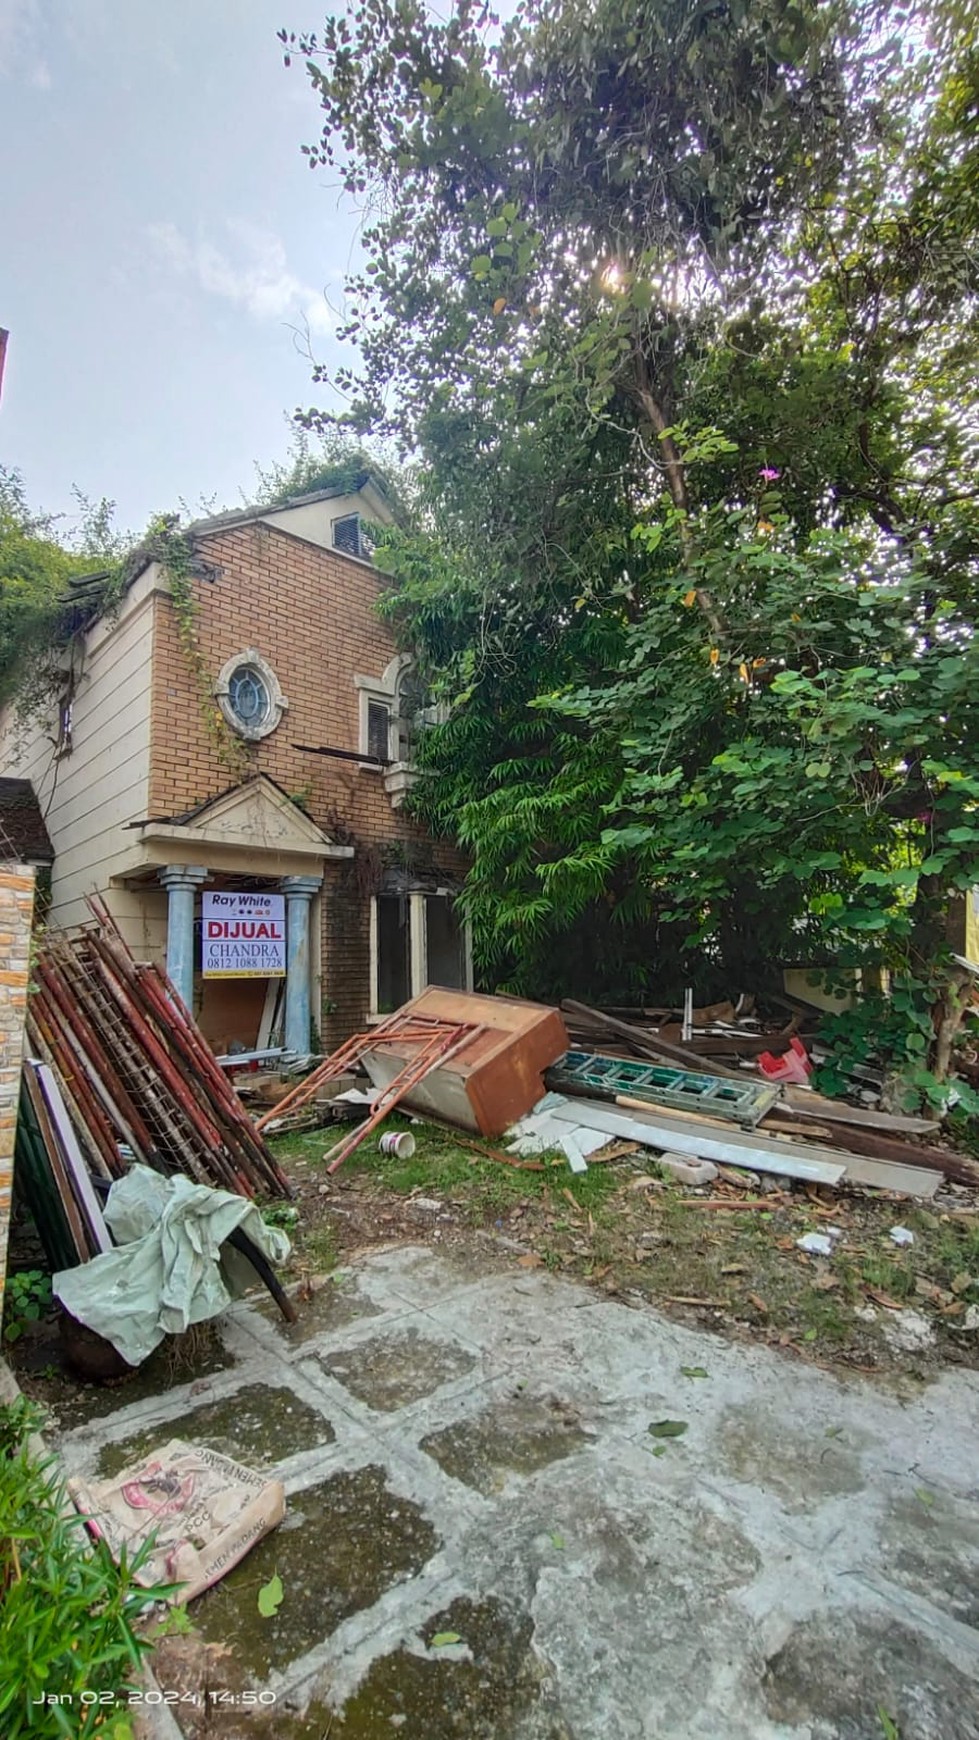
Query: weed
(889, 1275)
(67, 1612)
(319, 1250)
(27, 1295)
(283, 1214)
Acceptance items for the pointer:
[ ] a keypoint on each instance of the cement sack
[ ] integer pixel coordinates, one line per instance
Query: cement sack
(204, 1511)
(169, 1270)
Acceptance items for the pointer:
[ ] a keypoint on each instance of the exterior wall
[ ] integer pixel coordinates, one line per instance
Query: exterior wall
(310, 613)
(16, 907)
(88, 795)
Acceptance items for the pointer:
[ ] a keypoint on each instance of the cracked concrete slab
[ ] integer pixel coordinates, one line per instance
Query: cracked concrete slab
(485, 1540)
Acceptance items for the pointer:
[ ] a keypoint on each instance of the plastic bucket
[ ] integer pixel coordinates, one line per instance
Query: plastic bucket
(398, 1142)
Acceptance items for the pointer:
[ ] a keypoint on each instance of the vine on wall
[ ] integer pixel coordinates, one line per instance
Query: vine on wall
(178, 561)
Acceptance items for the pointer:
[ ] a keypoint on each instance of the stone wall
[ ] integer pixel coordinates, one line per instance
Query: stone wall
(16, 910)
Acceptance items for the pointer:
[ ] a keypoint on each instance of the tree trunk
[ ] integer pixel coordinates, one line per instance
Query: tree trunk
(948, 1014)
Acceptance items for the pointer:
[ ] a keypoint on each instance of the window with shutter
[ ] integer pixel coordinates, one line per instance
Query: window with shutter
(379, 730)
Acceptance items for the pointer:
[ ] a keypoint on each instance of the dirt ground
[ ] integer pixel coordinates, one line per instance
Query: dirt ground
(724, 1256)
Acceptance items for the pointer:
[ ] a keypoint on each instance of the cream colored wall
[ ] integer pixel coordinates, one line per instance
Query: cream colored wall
(315, 521)
(89, 795)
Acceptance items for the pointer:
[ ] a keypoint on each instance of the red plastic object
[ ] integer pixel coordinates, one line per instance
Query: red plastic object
(794, 1065)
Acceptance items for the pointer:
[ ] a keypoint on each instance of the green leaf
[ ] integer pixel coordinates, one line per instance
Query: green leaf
(443, 1638)
(558, 1542)
(694, 1371)
(668, 1428)
(270, 1597)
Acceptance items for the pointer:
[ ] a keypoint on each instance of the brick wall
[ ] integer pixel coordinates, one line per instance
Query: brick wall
(16, 908)
(310, 613)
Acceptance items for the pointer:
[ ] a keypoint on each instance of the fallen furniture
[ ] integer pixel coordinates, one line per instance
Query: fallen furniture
(471, 1061)
(492, 1079)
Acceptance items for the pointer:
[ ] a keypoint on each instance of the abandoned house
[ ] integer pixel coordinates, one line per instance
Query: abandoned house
(226, 767)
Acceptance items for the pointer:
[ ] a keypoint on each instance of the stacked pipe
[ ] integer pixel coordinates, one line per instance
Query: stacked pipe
(136, 1071)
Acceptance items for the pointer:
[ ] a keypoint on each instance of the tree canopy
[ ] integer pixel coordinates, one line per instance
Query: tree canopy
(678, 306)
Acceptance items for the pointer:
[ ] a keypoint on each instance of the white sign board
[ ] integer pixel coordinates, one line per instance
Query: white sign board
(243, 936)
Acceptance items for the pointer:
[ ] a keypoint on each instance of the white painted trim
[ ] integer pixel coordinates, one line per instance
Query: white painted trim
(374, 978)
(417, 942)
(417, 948)
(467, 950)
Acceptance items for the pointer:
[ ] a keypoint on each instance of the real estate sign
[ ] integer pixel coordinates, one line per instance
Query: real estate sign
(243, 936)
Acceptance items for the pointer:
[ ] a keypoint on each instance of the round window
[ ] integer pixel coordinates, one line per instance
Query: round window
(249, 697)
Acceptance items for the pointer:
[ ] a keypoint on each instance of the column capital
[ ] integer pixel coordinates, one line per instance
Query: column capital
(183, 875)
(301, 887)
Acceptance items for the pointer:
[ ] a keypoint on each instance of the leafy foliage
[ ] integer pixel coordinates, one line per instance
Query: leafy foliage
(679, 307)
(67, 1611)
(37, 561)
(26, 1294)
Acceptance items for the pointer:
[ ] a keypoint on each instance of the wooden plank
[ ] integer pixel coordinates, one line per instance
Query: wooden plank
(812, 1105)
(644, 1041)
(888, 1175)
(76, 1226)
(732, 1148)
(74, 1160)
(772, 1156)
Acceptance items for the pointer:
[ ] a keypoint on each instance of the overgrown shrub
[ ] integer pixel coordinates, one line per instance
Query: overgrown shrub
(67, 1611)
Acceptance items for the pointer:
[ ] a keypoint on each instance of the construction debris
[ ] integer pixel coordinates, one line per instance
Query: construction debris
(425, 1044)
(597, 1077)
(134, 1070)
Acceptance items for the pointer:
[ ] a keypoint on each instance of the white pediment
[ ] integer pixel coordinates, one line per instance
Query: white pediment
(255, 817)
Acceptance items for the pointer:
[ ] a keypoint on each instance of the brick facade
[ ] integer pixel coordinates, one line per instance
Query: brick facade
(16, 910)
(309, 612)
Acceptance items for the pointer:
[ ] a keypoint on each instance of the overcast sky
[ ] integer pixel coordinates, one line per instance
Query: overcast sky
(160, 234)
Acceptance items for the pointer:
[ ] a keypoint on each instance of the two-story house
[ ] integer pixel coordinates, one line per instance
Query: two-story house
(246, 728)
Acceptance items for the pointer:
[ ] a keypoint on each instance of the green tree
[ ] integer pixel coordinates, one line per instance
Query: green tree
(34, 574)
(678, 304)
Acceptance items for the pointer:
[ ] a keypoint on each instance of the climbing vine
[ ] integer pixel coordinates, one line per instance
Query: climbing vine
(174, 551)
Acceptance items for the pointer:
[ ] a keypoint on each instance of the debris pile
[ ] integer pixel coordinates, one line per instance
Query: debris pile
(121, 1073)
(472, 1061)
(670, 1102)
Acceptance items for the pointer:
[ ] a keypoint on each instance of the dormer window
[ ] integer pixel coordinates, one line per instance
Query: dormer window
(350, 537)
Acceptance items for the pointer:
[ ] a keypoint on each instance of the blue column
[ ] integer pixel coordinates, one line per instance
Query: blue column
(299, 891)
(181, 882)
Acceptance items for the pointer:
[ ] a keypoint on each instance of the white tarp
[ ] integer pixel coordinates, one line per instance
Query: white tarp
(169, 1271)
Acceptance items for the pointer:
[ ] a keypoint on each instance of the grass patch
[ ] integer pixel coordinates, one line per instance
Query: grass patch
(441, 1166)
(742, 1266)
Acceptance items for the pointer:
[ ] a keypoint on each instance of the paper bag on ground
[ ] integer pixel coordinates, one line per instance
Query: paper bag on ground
(205, 1512)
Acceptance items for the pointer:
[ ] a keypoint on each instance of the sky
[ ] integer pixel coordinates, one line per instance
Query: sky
(161, 240)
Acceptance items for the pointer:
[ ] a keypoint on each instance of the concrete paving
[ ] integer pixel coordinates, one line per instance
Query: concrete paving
(467, 1453)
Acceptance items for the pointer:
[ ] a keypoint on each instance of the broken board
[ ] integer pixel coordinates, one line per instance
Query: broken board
(733, 1149)
(737, 1148)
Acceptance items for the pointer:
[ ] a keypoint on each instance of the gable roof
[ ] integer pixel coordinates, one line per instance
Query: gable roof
(24, 839)
(257, 815)
(86, 592)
